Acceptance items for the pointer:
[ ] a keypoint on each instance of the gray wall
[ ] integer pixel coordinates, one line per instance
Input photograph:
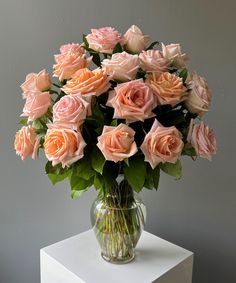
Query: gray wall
(197, 212)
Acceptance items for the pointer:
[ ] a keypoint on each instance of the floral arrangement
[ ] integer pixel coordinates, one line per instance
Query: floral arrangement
(134, 114)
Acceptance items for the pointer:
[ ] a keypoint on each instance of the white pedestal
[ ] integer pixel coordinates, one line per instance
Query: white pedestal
(78, 260)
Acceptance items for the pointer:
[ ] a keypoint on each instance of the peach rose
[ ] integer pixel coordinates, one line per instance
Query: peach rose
(135, 40)
(132, 101)
(117, 143)
(153, 60)
(199, 97)
(26, 142)
(36, 105)
(86, 82)
(71, 59)
(104, 39)
(162, 144)
(202, 139)
(70, 111)
(168, 88)
(36, 82)
(122, 66)
(63, 146)
(173, 53)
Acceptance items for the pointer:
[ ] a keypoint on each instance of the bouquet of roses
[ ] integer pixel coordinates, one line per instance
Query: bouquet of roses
(133, 114)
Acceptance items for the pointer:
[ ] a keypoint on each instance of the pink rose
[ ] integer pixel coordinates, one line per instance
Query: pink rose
(202, 139)
(117, 143)
(132, 101)
(104, 39)
(71, 59)
(70, 111)
(199, 97)
(37, 104)
(153, 60)
(36, 82)
(63, 146)
(162, 144)
(135, 40)
(122, 66)
(26, 142)
(173, 53)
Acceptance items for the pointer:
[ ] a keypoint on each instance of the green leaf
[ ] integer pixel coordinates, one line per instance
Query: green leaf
(97, 160)
(126, 160)
(85, 41)
(83, 168)
(151, 46)
(117, 49)
(51, 91)
(183, 74)
(172, 169)
(141, 74)
(114, 123)
(57, 173)
(135, 173)
(49, 169)
(59, 96)
(56, 178)
(96, 59)
(156, 177)
(98, 114)
(75, 194)
(23, 122)
(110, 171)
(152, 177)
(37, 124)
(189, 150)
(99, 182)
(78, 183)
(107, 180)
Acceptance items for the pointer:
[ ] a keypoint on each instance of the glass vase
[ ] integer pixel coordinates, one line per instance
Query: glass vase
(118, 219)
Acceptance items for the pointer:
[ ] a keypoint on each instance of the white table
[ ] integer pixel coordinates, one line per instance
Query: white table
(78, 260)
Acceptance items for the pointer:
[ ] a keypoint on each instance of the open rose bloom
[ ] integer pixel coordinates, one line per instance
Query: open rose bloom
(115, 103)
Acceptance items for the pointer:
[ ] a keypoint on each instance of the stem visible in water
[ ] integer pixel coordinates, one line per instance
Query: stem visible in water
(119, 222)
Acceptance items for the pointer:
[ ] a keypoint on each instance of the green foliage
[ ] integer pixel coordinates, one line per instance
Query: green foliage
(85, 42)
(57, 173)
(114, 123)
(83, 168)
(99, 182)
(23, 122)
(56, 178)
(189, 150)
(135, 173)
(183, 74)
(152, 177)
(59, 96)
(97, 160)
(75, 194)
(171, 169)
(152, 45)
(141, 74)
(107, 180)
(117, 49)
(170, 117)
(78, 183)
(96, 59)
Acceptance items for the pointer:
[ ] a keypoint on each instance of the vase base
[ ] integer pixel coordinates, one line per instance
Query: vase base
(117, 260)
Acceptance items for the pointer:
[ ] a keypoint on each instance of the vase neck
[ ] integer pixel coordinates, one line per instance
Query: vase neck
(120, 195)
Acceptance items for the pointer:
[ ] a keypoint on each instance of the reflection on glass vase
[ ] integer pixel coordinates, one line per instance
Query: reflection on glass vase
(118, 220)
